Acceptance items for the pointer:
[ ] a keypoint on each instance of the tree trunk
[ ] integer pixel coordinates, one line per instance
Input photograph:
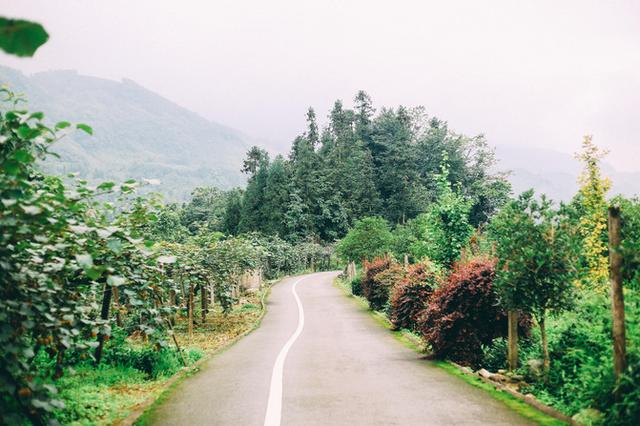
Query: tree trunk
(203, 302)
(513, 340)
(172, 303)
(185, 299)
(190, 312)
(617, 297)
(212, 296)
(116, 300)
(546, 363)
(104, 315)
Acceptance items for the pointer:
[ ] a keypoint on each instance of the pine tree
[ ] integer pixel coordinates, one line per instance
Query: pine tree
(276, 198)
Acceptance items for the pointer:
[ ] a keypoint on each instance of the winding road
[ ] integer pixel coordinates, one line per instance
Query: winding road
(319, 359)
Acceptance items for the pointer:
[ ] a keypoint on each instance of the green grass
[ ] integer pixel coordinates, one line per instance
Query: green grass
(412, 341)
(102, 395)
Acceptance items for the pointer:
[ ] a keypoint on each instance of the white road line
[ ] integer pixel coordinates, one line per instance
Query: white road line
(274, 406)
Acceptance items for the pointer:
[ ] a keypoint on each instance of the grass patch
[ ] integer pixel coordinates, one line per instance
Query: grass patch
(102, 395)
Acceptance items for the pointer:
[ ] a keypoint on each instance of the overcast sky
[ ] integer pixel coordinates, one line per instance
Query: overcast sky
(537, 73)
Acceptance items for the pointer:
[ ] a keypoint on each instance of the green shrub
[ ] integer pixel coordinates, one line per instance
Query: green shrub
(356, 286)
(153, 362)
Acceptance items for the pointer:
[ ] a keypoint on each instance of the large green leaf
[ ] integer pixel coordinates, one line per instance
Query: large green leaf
(21, 38)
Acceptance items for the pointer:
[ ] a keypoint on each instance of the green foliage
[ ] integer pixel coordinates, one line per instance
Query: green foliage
(59, 248)
(369, 238)
(21, 38)
(366, 165)
(445, 229)
(593, 217)
(147, 137)
(537, 250)
(205, 210)
(630, 215)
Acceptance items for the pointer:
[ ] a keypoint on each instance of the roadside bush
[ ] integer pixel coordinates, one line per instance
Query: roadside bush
(153, 362)
(356, 285)
(410, 297)
(581, 373)
(382, 274)
(372, 269)
(383, 283)
(463, 314)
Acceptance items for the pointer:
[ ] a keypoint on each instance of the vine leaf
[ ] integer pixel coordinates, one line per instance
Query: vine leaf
(21, 38)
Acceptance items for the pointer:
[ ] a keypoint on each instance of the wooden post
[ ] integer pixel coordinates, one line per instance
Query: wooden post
(546, 362)
(617, 297)
(104, 315)
(190, 311)
(116, 302)
(203, 302)
(512, 317)
(172, 304)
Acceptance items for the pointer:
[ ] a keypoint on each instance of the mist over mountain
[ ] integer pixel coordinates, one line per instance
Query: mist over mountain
(556, 173)
(137, 133)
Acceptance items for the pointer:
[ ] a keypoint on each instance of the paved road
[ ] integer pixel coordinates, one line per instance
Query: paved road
(340, 368)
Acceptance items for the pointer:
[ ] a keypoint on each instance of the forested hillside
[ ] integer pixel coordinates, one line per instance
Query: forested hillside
(137, 133)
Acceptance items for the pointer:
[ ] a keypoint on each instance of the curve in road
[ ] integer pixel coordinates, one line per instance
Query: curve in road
(331, 365)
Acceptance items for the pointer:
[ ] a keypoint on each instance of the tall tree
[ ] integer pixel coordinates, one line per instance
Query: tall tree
(276, 197)
(537, 251)
(253, 216)
(256, 156)
(593, 208)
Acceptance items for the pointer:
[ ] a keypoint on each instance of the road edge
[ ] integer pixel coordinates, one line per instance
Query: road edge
(520, 405)
(141, 415)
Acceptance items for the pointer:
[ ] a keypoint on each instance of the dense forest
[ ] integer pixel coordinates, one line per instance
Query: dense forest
(361, 164)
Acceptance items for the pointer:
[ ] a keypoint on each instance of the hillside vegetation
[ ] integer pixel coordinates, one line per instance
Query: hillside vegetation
(137, 133)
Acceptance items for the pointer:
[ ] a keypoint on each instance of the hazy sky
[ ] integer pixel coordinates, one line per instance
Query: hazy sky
(522, 72)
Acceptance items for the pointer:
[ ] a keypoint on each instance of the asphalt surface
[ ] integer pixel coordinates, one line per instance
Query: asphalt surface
(342, 369)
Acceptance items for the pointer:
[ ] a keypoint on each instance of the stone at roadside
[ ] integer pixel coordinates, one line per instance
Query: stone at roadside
(589, 417)
(535, 366)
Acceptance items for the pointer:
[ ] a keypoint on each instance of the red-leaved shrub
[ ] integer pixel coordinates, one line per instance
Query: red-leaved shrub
(463, 313)
(381, 275)
(410, 297)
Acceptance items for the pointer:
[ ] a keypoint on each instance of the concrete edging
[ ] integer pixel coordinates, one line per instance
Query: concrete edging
(532, 402)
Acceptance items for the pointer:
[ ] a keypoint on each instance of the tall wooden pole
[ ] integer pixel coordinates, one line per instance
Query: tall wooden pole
(617, 297)
(104, 315)
(203, 302)
(190, 311)
(512, 317)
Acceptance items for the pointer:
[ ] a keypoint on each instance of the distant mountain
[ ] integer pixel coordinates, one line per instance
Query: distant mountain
(556, 173)
(137, 133)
